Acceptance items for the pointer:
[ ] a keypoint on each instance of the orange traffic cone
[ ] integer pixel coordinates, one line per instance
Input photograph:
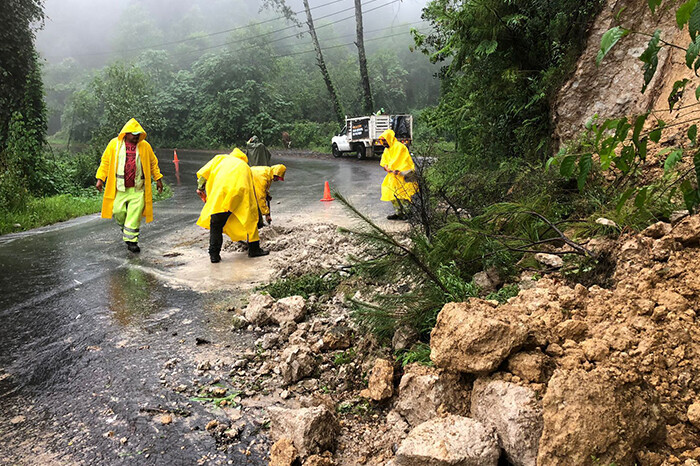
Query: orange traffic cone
(176, 161)
(327, 193)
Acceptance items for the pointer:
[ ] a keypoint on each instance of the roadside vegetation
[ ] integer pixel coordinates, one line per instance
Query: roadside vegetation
(501, 197)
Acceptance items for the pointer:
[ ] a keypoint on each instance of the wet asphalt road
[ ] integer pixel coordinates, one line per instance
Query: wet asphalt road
(85, 329)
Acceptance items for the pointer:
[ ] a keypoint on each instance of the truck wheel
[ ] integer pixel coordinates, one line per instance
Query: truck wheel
(360, 148)
(336, 152)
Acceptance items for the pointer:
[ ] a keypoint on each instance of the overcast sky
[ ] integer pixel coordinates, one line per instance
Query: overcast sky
(86, 29)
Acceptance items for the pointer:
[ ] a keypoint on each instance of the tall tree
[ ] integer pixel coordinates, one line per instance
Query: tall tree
(322, 65)
(19, 66)
(364, 76)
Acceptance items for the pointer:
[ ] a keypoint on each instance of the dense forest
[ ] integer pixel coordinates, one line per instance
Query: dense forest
(199, 88)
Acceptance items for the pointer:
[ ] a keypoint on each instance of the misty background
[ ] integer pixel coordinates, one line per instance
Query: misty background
(166, 49)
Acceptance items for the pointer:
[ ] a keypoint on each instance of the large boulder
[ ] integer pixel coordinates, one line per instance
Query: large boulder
(425, 392)
(297, 362)
(449, 441)
(311, 430)
(600, 413)
(258, 309)
(516, 415)
(289, 309)
(381, 381)
(471, 337)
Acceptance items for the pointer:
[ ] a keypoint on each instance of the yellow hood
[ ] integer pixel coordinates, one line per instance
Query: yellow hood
(396, 156)
(279, 170)
(239, 154)
(132, 126)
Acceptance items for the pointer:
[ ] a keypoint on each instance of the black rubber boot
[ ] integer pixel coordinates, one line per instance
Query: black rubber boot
(254, 249)
(133, 246)
(216, 228)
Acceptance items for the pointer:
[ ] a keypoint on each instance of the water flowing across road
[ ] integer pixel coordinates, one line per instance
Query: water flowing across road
(86, 328)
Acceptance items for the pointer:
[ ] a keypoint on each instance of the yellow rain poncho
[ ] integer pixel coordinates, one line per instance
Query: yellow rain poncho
(262, 177)
(108, 169)
(239, 154)
(230, 189)
(396, 157)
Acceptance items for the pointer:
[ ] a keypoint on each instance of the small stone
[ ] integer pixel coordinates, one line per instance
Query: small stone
(17, 420)
(123, 440)
(297, 362)
(283, 453)
(694, 414)
(381, 381)
(550, 260)
(657, 230)
(311, 430)
(452, 440)
(606, 222)
(290, 309)
(595, 349)
(213, 424)
(166, 419)
(529, 365)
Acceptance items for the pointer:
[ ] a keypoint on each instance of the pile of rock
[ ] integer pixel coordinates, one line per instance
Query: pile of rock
(562, 374)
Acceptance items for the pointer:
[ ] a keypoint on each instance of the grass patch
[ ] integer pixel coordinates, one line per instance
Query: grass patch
(228, 400)
(53, 209)
(305, 285)
(420, 353)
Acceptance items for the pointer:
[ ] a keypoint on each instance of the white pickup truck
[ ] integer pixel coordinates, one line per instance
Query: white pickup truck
(360, 135)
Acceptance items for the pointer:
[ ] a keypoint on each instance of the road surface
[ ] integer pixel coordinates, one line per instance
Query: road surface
(86, 328)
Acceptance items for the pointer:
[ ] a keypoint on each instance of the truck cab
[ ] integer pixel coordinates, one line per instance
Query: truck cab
(360, 135)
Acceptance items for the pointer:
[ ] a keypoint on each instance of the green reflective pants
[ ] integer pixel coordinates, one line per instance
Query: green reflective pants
(127, 212)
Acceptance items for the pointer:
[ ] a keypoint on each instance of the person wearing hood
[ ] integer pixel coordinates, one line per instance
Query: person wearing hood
(263, 178)
(258, 154)
(226, 186)
(128, 164)
(397, 187)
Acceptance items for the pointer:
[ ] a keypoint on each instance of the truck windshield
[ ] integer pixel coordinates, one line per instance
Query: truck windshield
(342, 131)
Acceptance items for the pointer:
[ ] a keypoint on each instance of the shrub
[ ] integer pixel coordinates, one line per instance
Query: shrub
(305, 285)
(312, 135)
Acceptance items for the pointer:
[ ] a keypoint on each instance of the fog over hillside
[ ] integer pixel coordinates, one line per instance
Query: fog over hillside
(92, 31)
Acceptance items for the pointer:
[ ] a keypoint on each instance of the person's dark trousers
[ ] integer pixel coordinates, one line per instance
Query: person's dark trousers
(216, 232)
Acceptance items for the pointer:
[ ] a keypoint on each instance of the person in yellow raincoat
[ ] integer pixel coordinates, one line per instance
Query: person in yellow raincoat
(128, 164)
(225, 184)
(397, 162)
(263, 178)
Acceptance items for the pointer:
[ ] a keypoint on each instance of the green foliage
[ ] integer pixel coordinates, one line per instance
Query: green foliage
(650, 58)
(420, 353)
(227, 400)
(507, 61)
(305, 285)
(47, 210)
(608, 41)
(344, 357)
(505, 293)
(312, 134)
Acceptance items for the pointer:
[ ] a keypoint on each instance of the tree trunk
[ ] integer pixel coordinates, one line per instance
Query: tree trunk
(322, 65)
(364, 76)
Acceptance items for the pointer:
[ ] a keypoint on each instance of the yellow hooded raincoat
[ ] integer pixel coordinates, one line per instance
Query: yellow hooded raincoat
(230, 189)
(108, 169)
(262, 177)
(396, 157)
